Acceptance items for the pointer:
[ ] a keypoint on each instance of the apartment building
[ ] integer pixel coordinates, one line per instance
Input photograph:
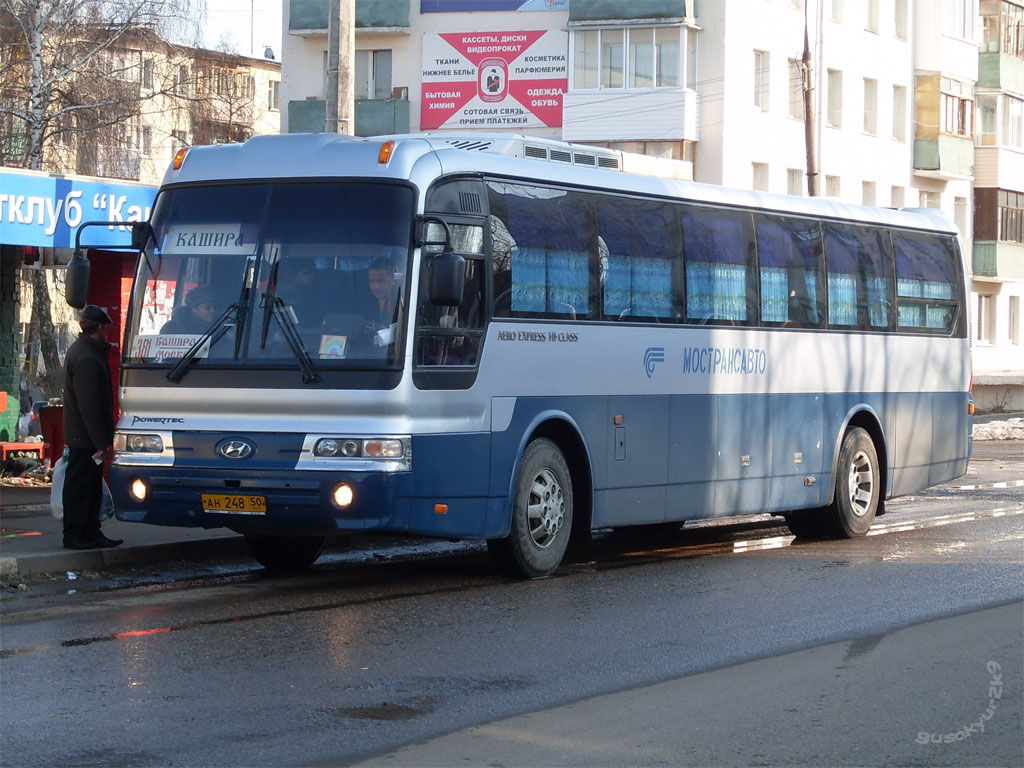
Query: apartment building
(900, 90)
(162, 96)
(998, 257)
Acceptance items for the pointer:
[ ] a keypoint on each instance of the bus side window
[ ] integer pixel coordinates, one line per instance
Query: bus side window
(926, 281)
(858, 264)
(720, 274)
(789, 253)
(638, 241)
(548, 251)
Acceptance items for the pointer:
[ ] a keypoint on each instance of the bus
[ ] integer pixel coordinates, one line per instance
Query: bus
(513, 339)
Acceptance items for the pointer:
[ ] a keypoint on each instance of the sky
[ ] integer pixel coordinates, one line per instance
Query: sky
(232, 19)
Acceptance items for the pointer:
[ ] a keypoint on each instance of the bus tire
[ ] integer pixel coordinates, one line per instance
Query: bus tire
(858, 487)
(541, 514)
(285, 554)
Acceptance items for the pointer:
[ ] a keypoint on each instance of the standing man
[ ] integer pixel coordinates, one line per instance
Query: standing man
(88, 430)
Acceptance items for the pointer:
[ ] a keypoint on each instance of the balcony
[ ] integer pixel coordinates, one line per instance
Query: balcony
(374, 117)
(309, 17)
(595, 11)
(945, 157)
(998, 70)
(998, 167)
(1004, 261)
(610, 115)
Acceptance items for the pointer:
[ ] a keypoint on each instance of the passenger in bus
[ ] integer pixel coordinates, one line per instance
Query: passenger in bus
(298, 288)
(195, 315)
(379, 310)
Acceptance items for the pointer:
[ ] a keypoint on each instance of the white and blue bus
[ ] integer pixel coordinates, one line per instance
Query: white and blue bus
(512, 339)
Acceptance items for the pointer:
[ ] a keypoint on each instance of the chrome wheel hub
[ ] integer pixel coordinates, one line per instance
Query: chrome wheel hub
(860, 484)
(545, 509)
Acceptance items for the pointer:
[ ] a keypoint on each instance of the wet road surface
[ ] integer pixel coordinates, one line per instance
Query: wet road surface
(360, 657)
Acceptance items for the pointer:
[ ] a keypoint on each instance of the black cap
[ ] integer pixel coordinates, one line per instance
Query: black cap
(94, 314)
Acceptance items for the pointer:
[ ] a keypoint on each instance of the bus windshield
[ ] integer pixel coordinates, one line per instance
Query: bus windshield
(264, 274)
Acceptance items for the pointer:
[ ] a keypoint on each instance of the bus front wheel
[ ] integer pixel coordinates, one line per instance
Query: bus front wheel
(541, 514)
(858, 487)
(285, 554)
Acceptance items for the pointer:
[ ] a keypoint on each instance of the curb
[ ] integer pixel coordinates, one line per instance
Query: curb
(98, 559)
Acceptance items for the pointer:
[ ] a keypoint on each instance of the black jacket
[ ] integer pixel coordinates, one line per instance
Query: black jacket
(88, 395)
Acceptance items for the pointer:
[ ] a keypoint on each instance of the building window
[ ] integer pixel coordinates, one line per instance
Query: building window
(930, 199)
(956, 113)
(835, 98)
(373, 75)
(986, 318)
(871, 22)
(900, 19)
(796, 89)
(178, 140)
(870, 106)
(897, 195)
(835, 11)
(832, 188)
(988, 120)
(1003, 27)
(958, 19)
(1011, 216)
(1015, 319)
(762, 69)
(640, 57)
(274, 95)
(794, 181)
(147, 140)
(181, 81)
(1013, 122)
(899, 112)
(760, 176)
(867, 193)
(147, 74)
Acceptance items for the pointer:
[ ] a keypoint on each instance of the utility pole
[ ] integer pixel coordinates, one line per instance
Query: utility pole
(812, 166)
(341, 45)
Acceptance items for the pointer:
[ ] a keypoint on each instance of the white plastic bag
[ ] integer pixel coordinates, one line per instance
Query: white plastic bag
(57, 486)
(57, 492)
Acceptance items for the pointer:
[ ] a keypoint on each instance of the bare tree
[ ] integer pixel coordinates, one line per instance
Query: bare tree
(64, 71)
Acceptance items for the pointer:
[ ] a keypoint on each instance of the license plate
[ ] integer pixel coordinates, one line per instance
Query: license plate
(234, 504)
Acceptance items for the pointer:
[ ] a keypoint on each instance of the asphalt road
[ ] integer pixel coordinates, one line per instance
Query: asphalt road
(728, 629)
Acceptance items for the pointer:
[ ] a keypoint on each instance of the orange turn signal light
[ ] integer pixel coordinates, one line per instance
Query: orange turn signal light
(385, 152)
(179, 158)
(970, 409)
(440, 509)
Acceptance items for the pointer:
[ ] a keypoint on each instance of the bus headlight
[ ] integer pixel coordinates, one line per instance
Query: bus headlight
(133, 442)
(357, 454)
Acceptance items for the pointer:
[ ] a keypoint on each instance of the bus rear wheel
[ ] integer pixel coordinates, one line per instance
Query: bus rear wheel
(858, 487)
(285, 554)
(541, 514)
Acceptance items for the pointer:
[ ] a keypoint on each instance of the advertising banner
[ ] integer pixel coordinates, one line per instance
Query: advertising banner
(45, 211)
(493, 80)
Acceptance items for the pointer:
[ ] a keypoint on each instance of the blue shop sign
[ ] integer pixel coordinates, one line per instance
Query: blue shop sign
(45, 211)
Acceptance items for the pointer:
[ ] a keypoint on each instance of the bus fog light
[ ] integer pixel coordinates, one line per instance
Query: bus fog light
(139, 489)
(342, 494)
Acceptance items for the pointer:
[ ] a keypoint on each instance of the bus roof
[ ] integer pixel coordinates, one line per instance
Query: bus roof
(428, 155)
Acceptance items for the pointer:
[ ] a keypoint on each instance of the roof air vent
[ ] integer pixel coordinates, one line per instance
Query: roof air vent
(561, 156)
(608, 162)
(581, 159)
(472, 146)
(539, 152)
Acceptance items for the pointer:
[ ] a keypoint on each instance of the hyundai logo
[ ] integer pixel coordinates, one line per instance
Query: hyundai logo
(235, 449)
(652, 356)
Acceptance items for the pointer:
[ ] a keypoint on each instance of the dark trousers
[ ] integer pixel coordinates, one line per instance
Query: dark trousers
(83, 495)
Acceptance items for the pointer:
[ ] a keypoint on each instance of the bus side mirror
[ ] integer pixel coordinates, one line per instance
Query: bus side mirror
(447, 279)
(141, 232)
(77, 289)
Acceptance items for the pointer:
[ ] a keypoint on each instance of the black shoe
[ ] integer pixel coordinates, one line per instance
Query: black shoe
(81, 544)
(103, 542)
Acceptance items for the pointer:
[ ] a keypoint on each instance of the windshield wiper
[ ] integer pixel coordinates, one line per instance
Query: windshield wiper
(272, 305)
(212, 334)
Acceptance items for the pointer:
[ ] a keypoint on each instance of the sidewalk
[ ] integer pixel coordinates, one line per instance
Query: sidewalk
(31, 540)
